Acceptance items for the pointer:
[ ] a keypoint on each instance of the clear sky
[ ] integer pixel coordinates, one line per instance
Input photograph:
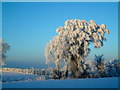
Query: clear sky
(0, 20)
(60, 0)
(28, 26)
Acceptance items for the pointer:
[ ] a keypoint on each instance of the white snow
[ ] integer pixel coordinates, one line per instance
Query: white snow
(11, 76)
(68, 83)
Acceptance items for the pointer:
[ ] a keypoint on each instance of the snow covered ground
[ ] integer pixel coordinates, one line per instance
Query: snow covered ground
(11, 76)
(69, 83)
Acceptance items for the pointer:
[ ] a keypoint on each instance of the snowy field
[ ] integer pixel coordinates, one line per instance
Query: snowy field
(73, 83)
(11, 76)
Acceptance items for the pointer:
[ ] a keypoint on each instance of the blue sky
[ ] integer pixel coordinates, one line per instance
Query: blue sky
(0, 20)
(28, 26)
(60, 1)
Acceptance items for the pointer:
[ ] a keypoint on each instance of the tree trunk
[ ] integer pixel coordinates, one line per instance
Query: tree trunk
(74, 68)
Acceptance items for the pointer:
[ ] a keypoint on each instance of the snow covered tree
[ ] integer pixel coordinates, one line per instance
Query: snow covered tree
(71, 45)
(91, 68)
(100, 65)
(86, 70)
(113, 68)
(4, 47)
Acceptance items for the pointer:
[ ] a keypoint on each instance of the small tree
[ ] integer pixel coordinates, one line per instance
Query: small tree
(4, 47)
(113, 68)
(71, 44)
(86, 70)
(100, 65)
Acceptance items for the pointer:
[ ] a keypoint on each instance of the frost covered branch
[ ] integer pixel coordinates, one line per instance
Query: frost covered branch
(4, 47)
(71, 44)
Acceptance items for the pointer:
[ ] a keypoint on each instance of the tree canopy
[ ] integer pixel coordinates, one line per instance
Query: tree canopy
(71, 43)
(4, 47)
